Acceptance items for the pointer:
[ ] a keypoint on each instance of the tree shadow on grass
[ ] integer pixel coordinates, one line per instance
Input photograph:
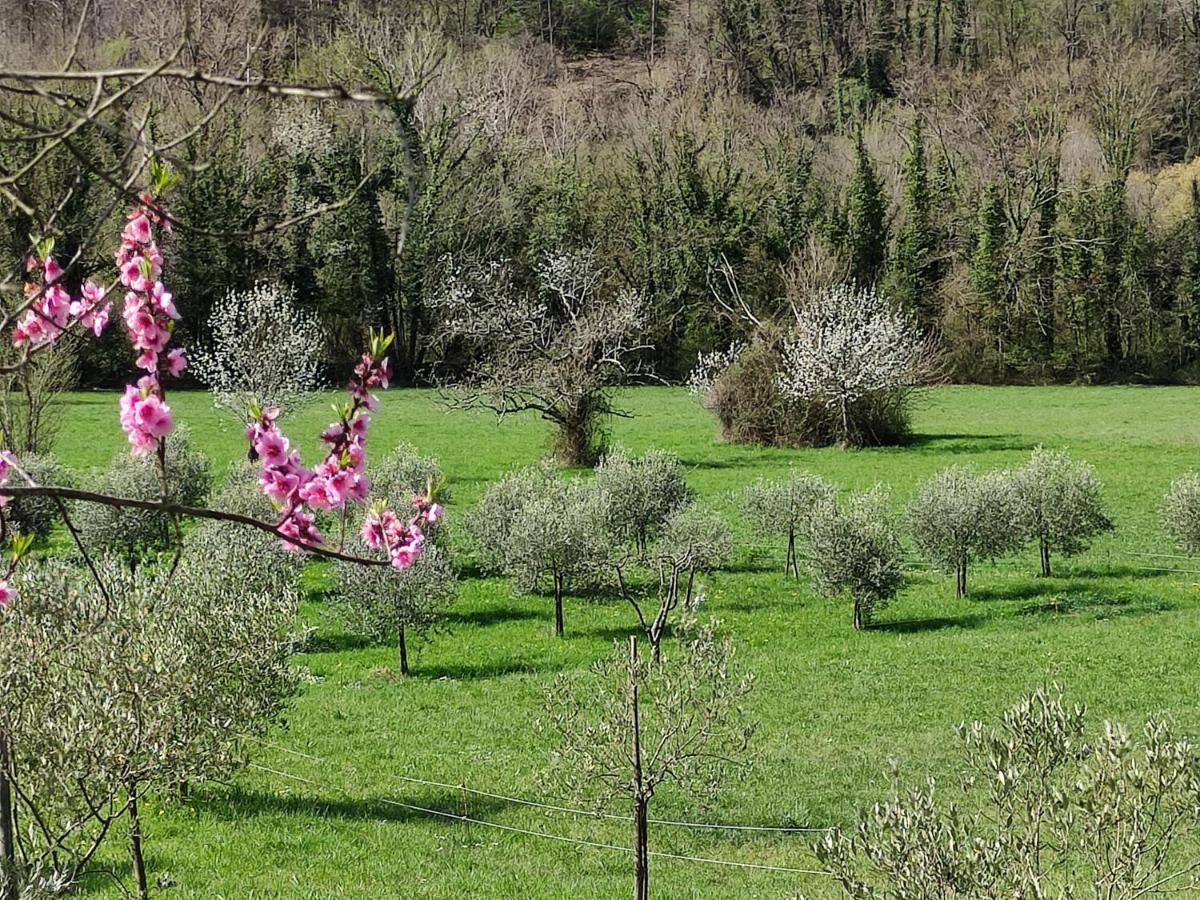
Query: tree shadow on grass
(475, 671)
(336, 643)
(1135, 572)
(919, 626)
(241, 803)
(1103, 606)
(969, 443)
(494, 615)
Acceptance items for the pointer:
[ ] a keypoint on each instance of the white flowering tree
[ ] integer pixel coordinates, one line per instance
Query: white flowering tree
(853, 353)
(556, 350)
(262, 348)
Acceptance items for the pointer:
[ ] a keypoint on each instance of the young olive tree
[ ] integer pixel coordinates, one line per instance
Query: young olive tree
(37, 516)
(784, 508)
(557, 350)
(394, 605)
(694, 540)
(631, 726)
(854, 549)
(263, 348)
(1180, 512)
(145, 680)
(404, 473)
(958, 515)
(132, 533)
(543, 531)
(853, 353)
(641, 493)
(1046, 811)
(1061, 503)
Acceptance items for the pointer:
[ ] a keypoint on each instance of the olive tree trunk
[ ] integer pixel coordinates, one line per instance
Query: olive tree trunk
(8, 845)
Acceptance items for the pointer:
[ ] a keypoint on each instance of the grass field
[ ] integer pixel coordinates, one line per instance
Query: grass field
(833, 705)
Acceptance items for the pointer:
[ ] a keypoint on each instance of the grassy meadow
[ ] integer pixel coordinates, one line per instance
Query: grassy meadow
(318, 815)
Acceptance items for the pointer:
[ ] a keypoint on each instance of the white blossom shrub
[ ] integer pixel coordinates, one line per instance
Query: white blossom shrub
(854, 551)
(261, 348)
(641, 493)
(958, 515)
(543, 531)
(389, 604)
(1062, 503)
(1040, 809)
(132, 533)
(1180, 512)
(138, 681)
(38, 515)
(556, 350)
(783, 508)
(851, 352)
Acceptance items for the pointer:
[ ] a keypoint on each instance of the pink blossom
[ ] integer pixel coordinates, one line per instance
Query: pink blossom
(7, 593)
(176, 361)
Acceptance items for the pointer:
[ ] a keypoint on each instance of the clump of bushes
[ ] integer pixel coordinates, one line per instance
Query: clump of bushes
(854, 550)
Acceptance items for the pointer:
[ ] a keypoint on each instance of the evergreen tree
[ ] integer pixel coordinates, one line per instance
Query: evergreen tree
(914, 266)
(866, 221)
(987, 264)
(1188, 286)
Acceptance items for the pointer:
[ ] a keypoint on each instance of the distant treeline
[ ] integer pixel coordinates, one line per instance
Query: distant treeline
(1019, 173)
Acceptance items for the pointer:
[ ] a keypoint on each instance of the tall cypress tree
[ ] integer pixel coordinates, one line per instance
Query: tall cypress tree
(1188, 286)
(914, 266)
(987, 263)
(866, 220)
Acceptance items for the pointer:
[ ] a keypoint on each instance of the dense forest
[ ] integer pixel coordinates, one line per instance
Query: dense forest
(1019, 174)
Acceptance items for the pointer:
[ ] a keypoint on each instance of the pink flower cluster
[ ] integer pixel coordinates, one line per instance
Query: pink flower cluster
(150, 315)
(340, 477)
(51, 309)
(401, 540)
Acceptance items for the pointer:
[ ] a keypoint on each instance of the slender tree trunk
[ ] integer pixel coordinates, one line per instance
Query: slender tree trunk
(8, 844)
(858, 616)
(135, 845)
(960, 589)
(641, 802)
(558, 605)
(790, 566)
(403, 653)
(1045, 548)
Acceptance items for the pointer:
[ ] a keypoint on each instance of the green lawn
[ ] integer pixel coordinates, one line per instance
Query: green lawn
(833, 705)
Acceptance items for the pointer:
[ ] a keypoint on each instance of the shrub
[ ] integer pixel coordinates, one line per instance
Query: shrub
(395, 604)
(1045, 812)
(958, 515)
(404, 473)
(543, 531)
(38, 515)
(132, 532)
(854, 355)
(154, 680)
(1180, 512)
(854, 549)
(1061, 503)
(640, 493)
(784, 508)
(262, 348)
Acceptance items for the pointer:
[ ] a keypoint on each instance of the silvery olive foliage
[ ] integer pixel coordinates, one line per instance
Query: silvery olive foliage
(131, 533)
(391, 604)
(958, 515)
(1180, 512)
(37, 515)
(849, 350)
(1062, 503)
(783, 508)
(854, 551)
(543, 531)
(631, 726)
(556, 350)
(405, 473)
(154, 680)
(641, 493)
(262, 347)
(694, 540)
(1046, 811)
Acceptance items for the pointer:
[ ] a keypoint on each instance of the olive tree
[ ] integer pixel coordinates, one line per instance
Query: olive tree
(405, 473)
(395, 604)
(693, 540)
(1061, 503)
(784, 508)
(958, 515)
(1045, 811)
(37, 516)
(854, 550)
(543, 531)
(125, 683)
(556, 349)
(1180, 512)
(852, 352)
(631, 726)
(641, 493)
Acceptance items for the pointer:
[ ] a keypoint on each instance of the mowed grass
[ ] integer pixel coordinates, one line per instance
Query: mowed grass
(833, 706)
